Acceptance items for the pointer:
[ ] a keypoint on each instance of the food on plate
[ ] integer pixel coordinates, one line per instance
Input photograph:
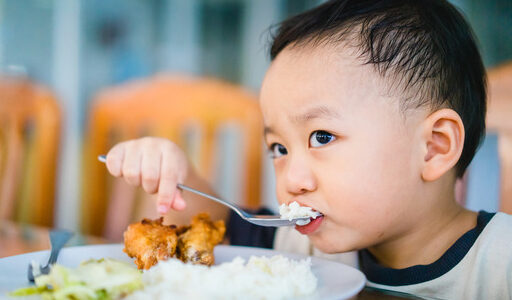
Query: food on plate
(150, 241)
(294, 210)
(185, 269)
(92, 279)
(274, 277)
(196, 242)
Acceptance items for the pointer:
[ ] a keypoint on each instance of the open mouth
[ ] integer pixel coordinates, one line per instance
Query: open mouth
(310, 227)
(294, 211)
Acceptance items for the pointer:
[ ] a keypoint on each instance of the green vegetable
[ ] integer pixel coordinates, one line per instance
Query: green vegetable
(29, 291)
(102, 279)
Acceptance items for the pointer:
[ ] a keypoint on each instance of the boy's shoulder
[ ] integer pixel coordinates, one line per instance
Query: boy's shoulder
(489, 263)
(477, 266)
(487, 246)
(497, 235)
(499, 217)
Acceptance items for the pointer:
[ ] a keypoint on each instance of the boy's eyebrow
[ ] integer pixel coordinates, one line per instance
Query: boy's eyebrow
(267, 130)
(320, 111)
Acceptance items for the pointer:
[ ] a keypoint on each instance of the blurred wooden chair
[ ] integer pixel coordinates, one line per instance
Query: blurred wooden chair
(499, 121)
(29, 142)
(167, 107)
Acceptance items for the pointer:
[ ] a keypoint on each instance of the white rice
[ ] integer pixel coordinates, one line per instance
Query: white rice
(294, 210)
(276, 277)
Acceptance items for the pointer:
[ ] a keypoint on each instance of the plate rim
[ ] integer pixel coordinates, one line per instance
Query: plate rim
(356, 273)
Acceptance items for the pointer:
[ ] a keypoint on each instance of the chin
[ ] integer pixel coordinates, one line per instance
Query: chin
(323, 245)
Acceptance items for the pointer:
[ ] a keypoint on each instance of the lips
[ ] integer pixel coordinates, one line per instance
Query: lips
(311, 227)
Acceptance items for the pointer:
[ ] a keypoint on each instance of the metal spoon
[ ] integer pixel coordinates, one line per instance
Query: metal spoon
(262, 220)
(58, 238)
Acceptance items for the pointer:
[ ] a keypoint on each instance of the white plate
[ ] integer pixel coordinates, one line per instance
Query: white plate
(335, 280)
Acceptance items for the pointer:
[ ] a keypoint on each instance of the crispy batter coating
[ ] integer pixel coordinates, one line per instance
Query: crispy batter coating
(149, 242)
(196, 242)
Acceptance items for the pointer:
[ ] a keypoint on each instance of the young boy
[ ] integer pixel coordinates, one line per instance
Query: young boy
(372, 110)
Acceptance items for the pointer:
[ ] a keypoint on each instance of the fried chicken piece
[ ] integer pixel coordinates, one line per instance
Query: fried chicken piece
(196, 242)
(149, 242)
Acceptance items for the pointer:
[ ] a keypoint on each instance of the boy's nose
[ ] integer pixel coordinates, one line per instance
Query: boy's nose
(299, 177)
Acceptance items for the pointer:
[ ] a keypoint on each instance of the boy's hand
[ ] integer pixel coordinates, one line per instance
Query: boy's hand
(155, 163)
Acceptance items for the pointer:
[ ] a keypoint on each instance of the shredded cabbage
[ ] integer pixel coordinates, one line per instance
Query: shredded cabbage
(102, 279)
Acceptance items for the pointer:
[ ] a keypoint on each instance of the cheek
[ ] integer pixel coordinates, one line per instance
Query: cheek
(371, 184)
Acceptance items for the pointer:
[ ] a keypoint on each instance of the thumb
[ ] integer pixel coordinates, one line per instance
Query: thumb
(179, 202)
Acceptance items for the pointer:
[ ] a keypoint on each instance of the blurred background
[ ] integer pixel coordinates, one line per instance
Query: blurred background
(77, 48)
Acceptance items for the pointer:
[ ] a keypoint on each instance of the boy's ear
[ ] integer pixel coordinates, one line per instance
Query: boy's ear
(444, 137)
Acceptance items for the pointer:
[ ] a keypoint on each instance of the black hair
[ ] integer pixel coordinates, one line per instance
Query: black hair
(425, 46)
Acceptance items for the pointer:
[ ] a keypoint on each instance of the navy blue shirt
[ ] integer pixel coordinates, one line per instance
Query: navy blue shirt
(243, 233)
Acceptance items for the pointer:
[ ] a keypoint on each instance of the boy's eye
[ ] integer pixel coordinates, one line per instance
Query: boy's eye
(277, 150)
(320, 138)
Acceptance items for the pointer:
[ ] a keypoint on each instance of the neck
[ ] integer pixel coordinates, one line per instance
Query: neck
(434, 230)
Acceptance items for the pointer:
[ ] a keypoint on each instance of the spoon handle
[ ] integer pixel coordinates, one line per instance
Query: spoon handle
(240, 212)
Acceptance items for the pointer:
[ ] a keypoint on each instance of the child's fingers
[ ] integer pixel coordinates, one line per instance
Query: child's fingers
(115, 159)
(167, 185)
(150, 169)
(132, 163)
(167, 192)
(179, 202)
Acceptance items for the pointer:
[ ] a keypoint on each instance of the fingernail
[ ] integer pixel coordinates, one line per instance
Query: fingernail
(162, 209)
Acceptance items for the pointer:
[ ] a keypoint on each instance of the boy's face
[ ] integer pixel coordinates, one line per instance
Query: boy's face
(342, 146)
